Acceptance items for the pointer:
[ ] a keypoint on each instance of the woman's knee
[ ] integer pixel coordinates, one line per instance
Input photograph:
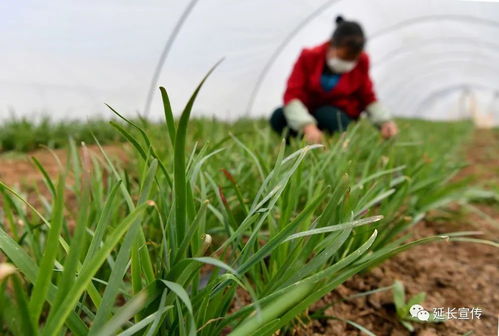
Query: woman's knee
(278, 120)
(331, 119)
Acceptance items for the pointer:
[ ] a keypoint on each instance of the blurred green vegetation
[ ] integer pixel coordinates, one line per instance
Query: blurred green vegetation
(24, 135)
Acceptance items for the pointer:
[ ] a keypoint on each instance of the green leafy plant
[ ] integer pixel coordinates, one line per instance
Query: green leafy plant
(402, 307)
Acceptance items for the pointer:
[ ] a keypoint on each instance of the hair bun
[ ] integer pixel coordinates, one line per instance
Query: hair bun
(339, 19)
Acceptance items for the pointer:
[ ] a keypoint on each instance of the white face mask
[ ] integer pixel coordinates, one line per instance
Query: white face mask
(340, 66)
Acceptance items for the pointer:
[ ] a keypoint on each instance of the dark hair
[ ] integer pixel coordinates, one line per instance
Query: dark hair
(348, 34)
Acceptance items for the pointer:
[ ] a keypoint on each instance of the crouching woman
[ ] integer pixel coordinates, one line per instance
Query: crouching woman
(330, 87)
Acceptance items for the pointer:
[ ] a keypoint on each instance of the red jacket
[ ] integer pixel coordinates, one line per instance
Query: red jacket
(353, 92)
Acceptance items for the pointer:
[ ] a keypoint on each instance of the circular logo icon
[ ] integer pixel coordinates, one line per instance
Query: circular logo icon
(423, 315)
(415, 309)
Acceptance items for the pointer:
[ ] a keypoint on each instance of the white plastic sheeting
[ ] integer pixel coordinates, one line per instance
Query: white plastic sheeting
(66, 59)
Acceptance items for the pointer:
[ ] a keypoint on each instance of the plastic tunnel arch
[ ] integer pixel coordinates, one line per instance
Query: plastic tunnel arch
(76, 62)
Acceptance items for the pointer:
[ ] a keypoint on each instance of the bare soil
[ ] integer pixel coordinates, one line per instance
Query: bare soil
(19, 170)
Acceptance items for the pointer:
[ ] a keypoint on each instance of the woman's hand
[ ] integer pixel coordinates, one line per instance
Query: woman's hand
(389, 129)
(312, 134)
